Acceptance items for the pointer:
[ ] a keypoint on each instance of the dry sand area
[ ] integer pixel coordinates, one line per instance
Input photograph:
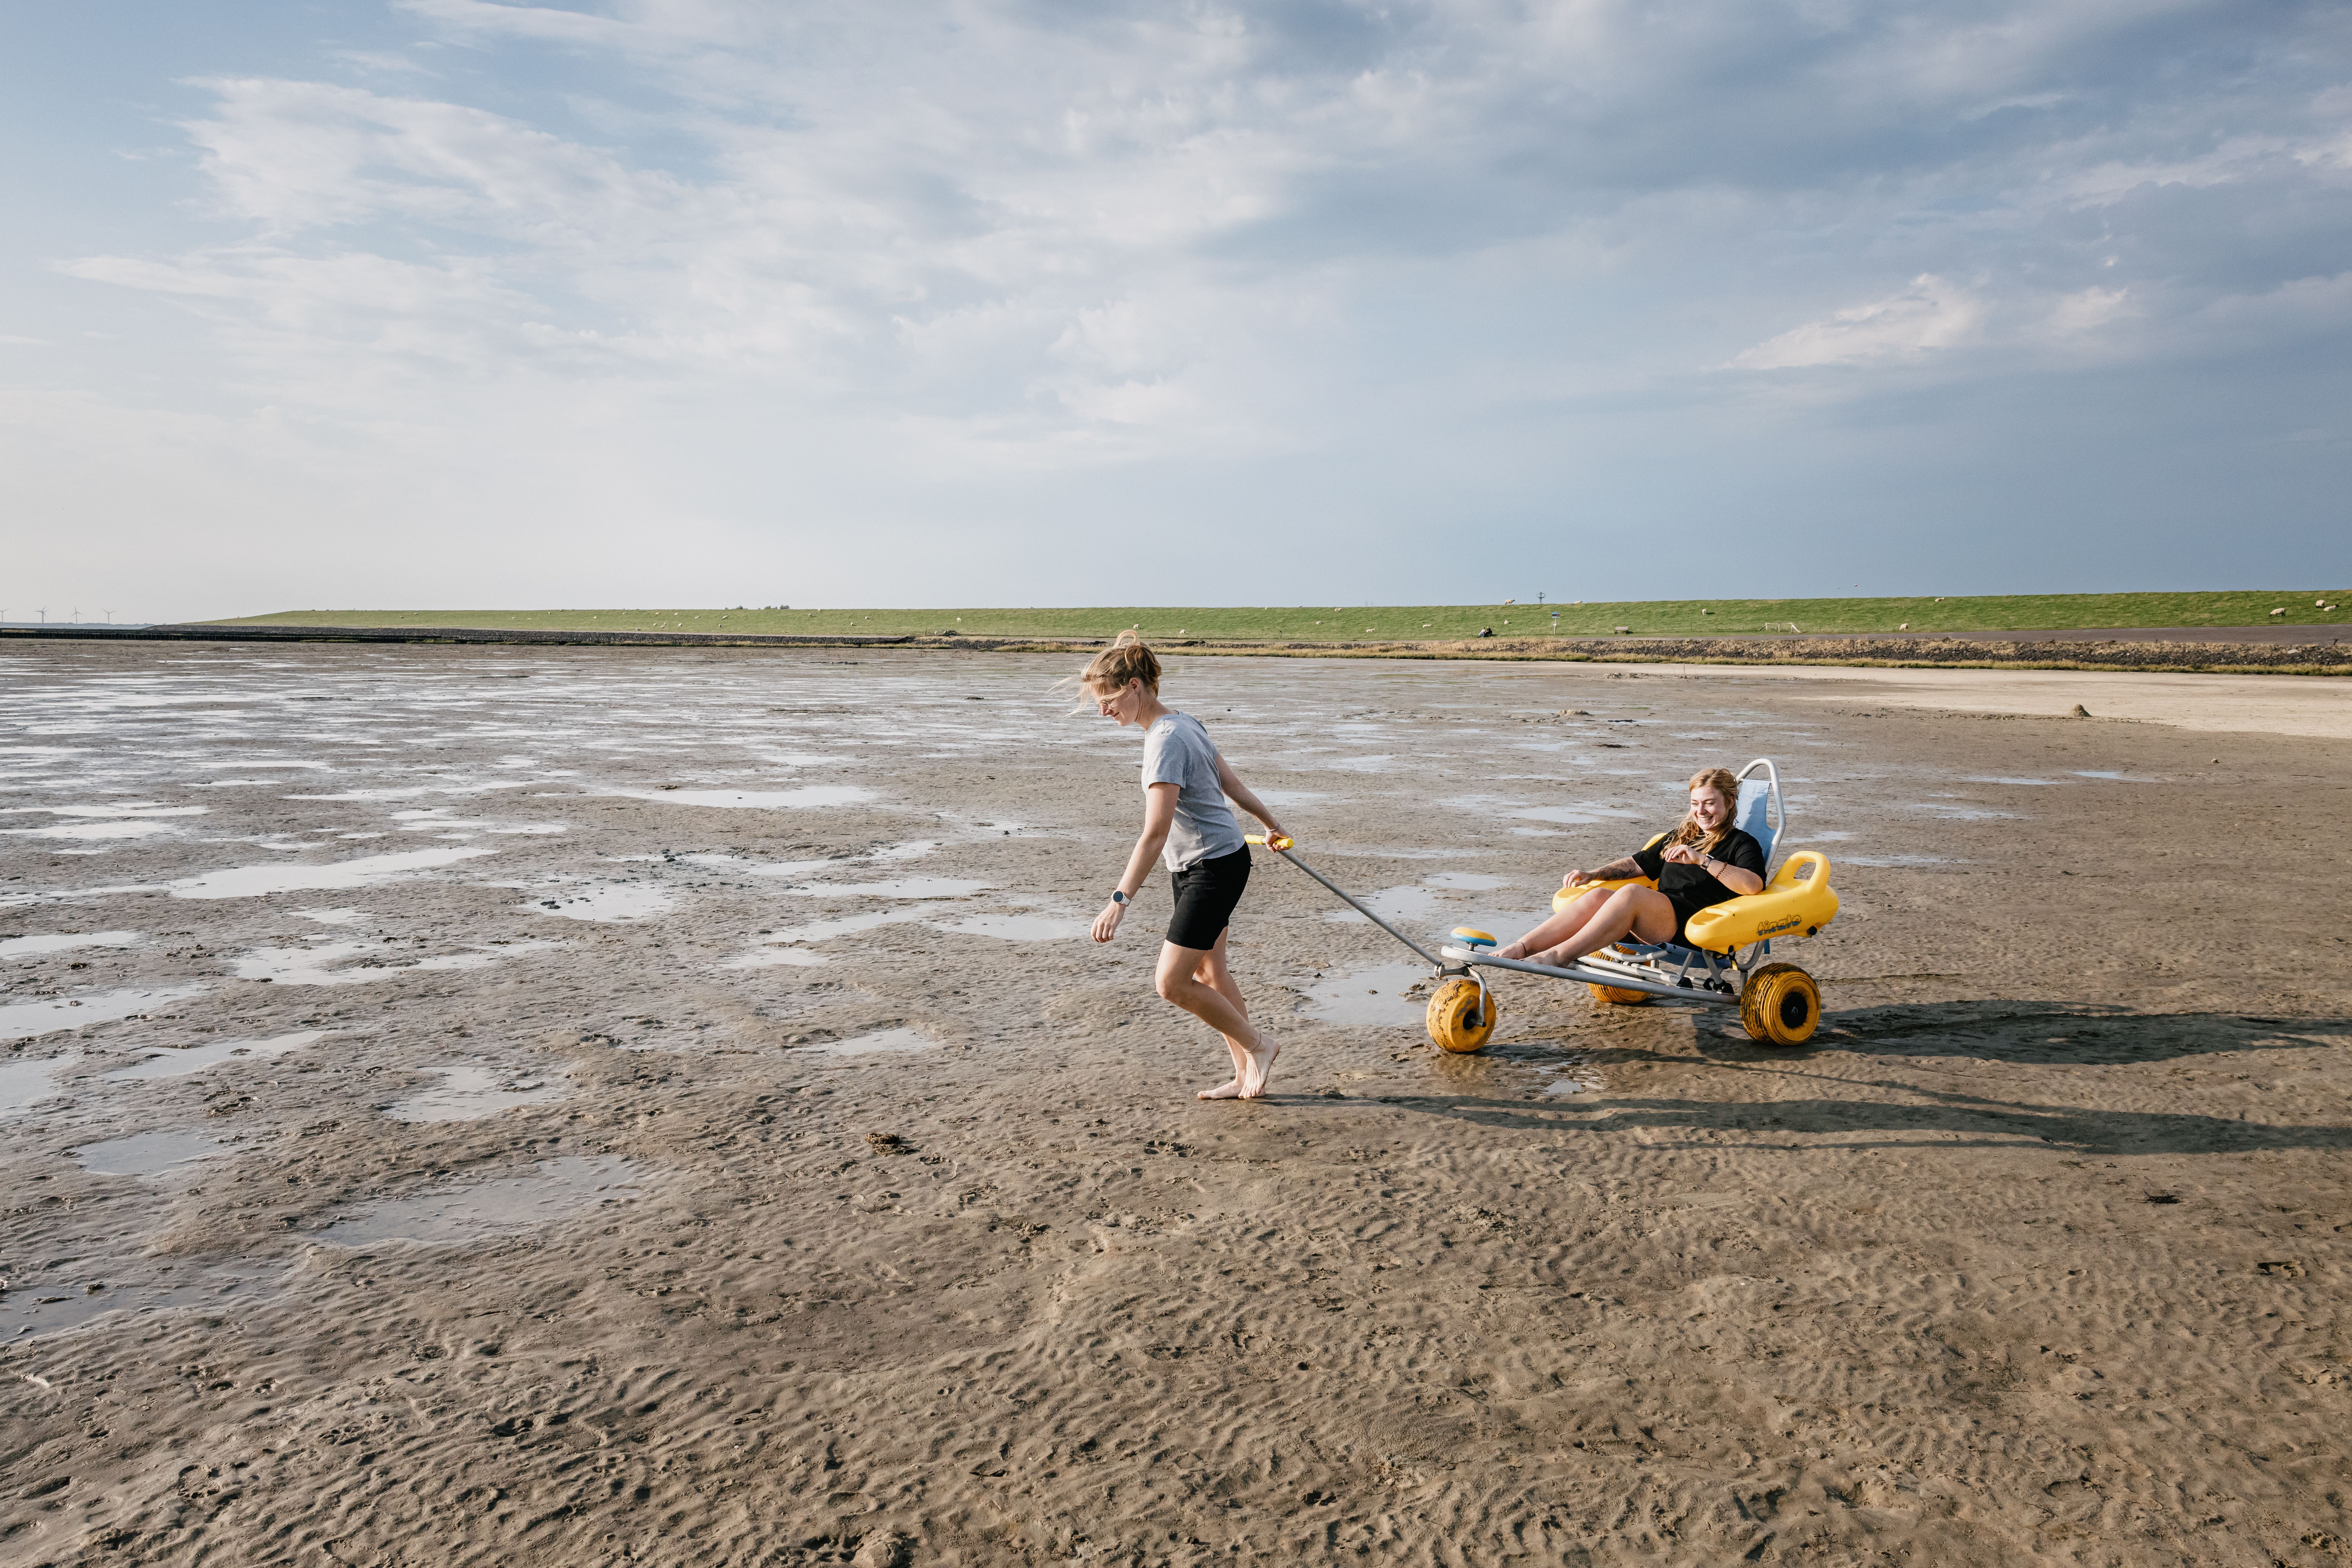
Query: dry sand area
(584, 1107)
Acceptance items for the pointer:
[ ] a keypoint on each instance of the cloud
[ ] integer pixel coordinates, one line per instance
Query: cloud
(1930, 315)
(834, 261)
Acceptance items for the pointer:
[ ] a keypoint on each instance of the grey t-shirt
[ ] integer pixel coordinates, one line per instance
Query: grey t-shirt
(1177, 751)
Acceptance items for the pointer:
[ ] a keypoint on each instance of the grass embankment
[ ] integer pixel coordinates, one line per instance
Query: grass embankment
(1318, 623)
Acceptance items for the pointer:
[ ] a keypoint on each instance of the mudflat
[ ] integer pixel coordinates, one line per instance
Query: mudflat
(600, 1106)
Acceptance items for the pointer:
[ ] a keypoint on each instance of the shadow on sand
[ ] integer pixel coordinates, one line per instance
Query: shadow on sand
(1861, 1111)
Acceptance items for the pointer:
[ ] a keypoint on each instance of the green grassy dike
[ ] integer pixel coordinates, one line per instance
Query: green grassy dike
(1384, 623)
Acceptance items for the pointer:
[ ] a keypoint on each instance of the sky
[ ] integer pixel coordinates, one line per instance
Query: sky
(448, 303)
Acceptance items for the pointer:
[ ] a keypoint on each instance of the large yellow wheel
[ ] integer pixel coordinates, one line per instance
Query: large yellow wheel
(1461, 1015)
(1781, 1006)
(1617, 995)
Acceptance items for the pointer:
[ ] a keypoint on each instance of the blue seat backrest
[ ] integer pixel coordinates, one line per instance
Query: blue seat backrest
(1754, 815)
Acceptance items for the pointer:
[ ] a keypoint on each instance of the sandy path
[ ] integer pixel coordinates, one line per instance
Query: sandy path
(2315, 706)
(609, 1107)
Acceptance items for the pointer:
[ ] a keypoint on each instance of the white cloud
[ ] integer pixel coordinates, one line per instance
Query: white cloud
(779, 272)
(1931, 314)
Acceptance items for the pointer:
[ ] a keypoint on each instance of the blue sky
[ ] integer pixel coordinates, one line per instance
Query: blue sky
(440, 303)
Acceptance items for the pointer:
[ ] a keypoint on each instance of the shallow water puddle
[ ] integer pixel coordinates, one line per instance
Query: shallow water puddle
(94, 830)
(471, 1091)
(196, 1058)
(884, 1043)
(252, 882)
(613, 903)
(34, 946)
(140, 808)
(897, 887)
(24, 1084)
(315, 965)
(1369, 997)
(777, 945)
(466, 1212)
(1018, 928)
(426, 819)
(802, 799)
(1954, 811)
(147, 1153)
(1582, 1080)
(26, 1019)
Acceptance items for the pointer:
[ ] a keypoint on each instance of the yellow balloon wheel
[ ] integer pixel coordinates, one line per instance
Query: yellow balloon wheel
(1780, 1006)
(1617, 995)
(1461, 1016)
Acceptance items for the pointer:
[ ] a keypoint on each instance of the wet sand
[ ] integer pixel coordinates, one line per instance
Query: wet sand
(603, 1106)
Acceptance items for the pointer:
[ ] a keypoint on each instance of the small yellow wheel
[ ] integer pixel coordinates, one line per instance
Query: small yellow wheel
(1617, 995)
(1461, 1015)
(1781, 1006)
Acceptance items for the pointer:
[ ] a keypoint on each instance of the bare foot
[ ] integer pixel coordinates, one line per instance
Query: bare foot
(1512, 949)
(1260, 1068)
(1229, 1089)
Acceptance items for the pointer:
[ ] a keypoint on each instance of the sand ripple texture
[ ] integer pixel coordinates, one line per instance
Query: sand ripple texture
(604, 1106)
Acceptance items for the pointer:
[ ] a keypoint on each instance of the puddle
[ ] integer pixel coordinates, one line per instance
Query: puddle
(899, 887)
(887, 1043)
(774, 958)
(410, 791)
(331, 917)
(2115, 778)
(128, 808)
(147, 1153)
(24, 1084)
(1369, 997)
(425, 819)
(26, 1019)
(1583, 1081)
(39, 1307)
(34, 946)
(1957, 813)
(315, 965)
(801, 799)
(614, 901)
(778, 948)
(94, 830)
(471, 1091)
(469, 1211)
(1018, 928)
(253, 882)
(1466, 882)
(744, 867)
(196, 1058)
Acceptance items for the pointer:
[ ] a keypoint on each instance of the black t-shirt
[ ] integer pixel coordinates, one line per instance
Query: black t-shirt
(1691, 889)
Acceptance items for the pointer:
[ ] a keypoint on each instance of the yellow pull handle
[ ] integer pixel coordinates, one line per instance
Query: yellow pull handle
(1277, 843)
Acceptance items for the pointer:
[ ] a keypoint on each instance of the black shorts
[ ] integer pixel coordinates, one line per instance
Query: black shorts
(1207, 892)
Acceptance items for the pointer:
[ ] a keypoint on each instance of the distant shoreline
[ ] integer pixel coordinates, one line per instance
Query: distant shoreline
(2217, 650)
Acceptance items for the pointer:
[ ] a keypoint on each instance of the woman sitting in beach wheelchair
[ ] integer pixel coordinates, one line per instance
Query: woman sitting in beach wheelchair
(1689, 917)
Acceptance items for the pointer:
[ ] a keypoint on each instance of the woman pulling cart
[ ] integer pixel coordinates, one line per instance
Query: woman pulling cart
(1188, 824)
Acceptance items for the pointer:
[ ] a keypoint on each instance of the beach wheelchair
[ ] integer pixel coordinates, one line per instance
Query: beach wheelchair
(1722, 963)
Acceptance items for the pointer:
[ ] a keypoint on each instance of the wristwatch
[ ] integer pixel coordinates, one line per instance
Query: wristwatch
(1116, 897)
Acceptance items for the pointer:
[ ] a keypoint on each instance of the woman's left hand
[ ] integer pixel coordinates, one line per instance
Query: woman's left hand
(1106, 922)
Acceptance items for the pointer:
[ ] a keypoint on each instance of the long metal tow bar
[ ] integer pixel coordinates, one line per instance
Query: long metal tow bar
(1282, 846)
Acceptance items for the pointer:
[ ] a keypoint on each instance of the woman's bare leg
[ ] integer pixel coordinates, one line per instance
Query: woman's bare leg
(1197, 980)
(1561, 927)
(1643, 912)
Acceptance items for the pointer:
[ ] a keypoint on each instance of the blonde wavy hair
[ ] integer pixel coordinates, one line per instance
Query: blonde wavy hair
(1126, 659)
(1724, 783)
